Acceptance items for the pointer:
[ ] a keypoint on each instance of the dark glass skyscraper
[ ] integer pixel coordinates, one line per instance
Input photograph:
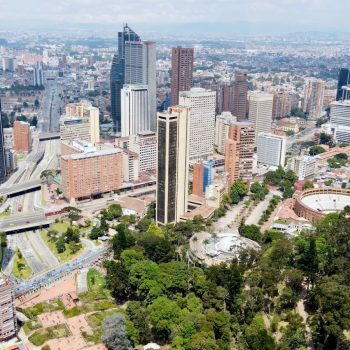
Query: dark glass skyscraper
(2, 153)
(343, 80)
(118, 74)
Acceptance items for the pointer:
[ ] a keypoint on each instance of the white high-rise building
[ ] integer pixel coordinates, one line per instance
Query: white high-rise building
(271, 149)
(201, 103)
(173, 164)
(304, 166)
(340, 120)
(145, 145)
(260, 112)
(140, 68)
(222, 126)
(134, 109)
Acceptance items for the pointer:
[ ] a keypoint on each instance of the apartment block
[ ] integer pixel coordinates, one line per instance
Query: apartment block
(88, 171)
(271, 149)
(222, 125)
(22, 136)
(8, 323)
(239, 151)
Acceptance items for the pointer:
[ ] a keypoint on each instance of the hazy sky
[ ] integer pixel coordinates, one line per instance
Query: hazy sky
(275, 15)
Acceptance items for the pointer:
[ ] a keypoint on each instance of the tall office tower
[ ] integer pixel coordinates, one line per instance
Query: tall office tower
(38, 75)
(201, 103)
(227, 98)
(260, 112)
(239, 151)
(271, 149)
(8, 64)
(3, 172)
(222, 125)
(181, 72)
(8, 324)
(22, 136)
(135, 110)
(135, 63)
(343, 81)
(240, 93)
(173, 164)
(313, 97)
(340, 120)
(283, 103)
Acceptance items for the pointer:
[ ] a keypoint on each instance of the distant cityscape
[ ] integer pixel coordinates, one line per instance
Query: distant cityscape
(132, 150)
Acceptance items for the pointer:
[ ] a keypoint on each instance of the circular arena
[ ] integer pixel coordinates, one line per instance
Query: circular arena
(314, 204)
(212, 249)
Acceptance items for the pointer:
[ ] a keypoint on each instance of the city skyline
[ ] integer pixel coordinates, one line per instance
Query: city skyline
(251, 16)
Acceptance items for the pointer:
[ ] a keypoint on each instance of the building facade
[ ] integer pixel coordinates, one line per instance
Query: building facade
(8, 323)
(304, 166)
(201, 104)
(87, 171)
(135, 63)
(135, 112)
(172, 164)
(222, 126)
(181, 72)
(340, 120)
(240, 93)
(271, 149)
(313, 97)
(260, 112)
(239, 151)
(3, 172)
(343, 81)
(145, 145)
(22, 137)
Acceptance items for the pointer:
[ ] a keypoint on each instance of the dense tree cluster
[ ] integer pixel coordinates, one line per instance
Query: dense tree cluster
(283, 179)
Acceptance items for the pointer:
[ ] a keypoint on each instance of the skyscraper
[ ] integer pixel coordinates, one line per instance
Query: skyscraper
(313, 97)
(202, 104)
(343, 80)
(135, 110)
(260, 112)
(38, 75)
(135, 63)
(181, 72)
(240, 92)
(2, 153)
(173, 164)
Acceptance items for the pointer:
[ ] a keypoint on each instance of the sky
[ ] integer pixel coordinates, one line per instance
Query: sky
(270, 16)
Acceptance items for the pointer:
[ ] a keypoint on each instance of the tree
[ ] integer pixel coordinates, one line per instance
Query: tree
(140, 318)
(117, 280)
(158, 249)
(315, 150)
(164, 316)
(36, 103)
(115, 210)
(34, 121)
(73, 213)
(250, 231)
(115, 336)
(308, 184)
(122, 240)
(325, 139)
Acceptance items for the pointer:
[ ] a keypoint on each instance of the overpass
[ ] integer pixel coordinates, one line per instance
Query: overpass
(25, 222)
(20, 188)
(45, 136)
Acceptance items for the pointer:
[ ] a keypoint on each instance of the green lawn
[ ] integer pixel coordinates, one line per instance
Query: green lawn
(60, 227)
(23, 272)
(95, 280)
(62, 257)
(41, 336)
